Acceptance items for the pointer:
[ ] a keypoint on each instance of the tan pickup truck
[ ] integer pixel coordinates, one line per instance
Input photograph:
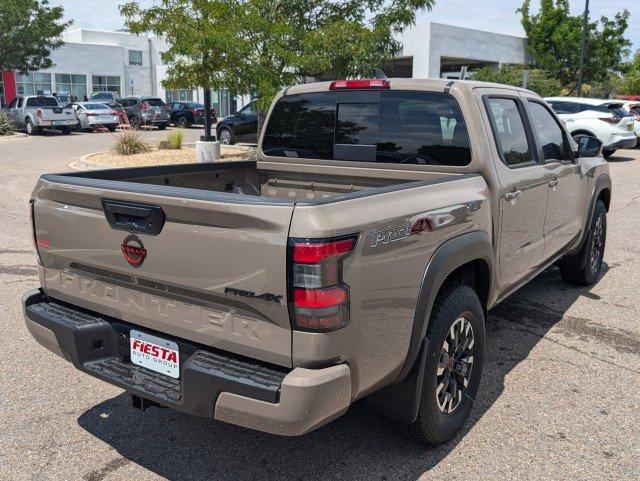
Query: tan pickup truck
(357, 257)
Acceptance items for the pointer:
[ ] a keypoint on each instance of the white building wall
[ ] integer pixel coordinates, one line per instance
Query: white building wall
(415, 43)
(88, 60)
(467, 43)
(429, 42)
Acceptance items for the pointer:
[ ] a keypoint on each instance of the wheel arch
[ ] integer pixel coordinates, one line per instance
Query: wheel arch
(468, 259)
(583, 132)
(602, 189)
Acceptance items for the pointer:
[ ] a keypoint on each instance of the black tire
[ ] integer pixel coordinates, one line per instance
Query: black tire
(134, 122)
(112, 128)
(225, 136)
(65, 130)
(184, 122)
(79, 128)
(30, 128)
(608, 153)
(433, 425)
(584, 267)
(162, 126)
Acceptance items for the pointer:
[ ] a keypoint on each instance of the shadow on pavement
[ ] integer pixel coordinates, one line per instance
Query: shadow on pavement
(362, 444)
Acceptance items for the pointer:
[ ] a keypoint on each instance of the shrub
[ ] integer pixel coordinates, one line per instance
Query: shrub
(7, 127)
(173, 141)
(131, 143)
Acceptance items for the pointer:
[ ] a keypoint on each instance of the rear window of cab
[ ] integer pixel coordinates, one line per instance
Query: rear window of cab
(400, 127)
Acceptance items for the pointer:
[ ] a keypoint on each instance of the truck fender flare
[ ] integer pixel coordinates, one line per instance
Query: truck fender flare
(602, 182)
(447, 258)
(400, 400)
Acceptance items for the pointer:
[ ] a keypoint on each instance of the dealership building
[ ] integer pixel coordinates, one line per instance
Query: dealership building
(96, 60)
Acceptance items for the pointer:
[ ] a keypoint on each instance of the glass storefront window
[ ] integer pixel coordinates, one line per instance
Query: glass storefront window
(179, 95)
(33, 83)
(106, 83)
(71, 84)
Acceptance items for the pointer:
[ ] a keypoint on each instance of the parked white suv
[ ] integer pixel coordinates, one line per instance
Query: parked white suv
(633, 107)
(605, 119)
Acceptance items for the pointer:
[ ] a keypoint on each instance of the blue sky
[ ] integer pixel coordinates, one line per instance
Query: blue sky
(494, 15)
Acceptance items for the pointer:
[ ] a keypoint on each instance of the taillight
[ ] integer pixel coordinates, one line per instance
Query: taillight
(375, 83)
(34, 239)
(611, 120)
(319, 297)
(39, 113)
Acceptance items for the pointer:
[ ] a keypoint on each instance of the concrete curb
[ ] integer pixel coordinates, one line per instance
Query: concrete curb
(83, 163)
(15, 135)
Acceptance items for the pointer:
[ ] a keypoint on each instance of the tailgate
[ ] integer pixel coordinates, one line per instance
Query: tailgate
(56, 113)
(213, 273)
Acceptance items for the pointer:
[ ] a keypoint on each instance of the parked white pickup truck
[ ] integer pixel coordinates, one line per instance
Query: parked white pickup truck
(35, 112)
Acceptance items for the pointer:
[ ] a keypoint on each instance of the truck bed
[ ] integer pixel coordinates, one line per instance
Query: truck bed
(245, 181)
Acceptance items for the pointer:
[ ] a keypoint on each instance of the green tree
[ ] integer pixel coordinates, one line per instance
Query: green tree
(204, 49)
(29, 31)
(296, 39)
(629, 82)
(539, 81)
(554, 42)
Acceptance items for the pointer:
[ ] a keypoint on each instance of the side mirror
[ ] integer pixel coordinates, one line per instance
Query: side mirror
(588, 146)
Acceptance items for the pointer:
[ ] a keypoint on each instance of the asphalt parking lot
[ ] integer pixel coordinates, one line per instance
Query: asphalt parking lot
(559, 397)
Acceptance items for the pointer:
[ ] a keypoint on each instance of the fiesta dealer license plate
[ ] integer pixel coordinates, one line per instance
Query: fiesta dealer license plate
(155, 353)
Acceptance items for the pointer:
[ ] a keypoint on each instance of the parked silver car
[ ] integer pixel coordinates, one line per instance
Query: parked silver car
(35, 112)
(95, 116)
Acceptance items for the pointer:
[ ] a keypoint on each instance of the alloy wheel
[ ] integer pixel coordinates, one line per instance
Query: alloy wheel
(455, 365)
(597, 244)
(225, 137)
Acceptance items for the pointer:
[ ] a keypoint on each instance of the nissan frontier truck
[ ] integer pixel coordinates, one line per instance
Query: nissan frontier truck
(357, 257)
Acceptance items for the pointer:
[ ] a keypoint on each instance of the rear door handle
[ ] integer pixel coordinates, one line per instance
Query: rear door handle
(509, 196)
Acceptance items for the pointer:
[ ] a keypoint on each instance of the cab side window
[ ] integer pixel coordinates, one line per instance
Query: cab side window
(509, 131)
(13, 103)
(548, 132)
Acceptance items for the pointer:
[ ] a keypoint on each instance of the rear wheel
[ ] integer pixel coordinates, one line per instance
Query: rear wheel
(112, 128)
(607, 153)
(455, 354)
(184, 122)
(162, 126)
(584, 267)
(224, 136)
(65, 130)
(134, 122)
(30, 128)
(79, 127)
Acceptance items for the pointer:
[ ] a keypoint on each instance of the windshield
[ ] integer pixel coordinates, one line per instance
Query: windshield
(155, 102)
(194, 105)
(369, 126)
(42, 102)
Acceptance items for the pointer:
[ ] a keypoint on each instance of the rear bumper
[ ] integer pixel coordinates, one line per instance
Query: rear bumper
(57, 123)
(211, 383)
(622, 142)
(96, 122)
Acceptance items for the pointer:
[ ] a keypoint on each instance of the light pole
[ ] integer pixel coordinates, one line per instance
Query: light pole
(583, 44)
